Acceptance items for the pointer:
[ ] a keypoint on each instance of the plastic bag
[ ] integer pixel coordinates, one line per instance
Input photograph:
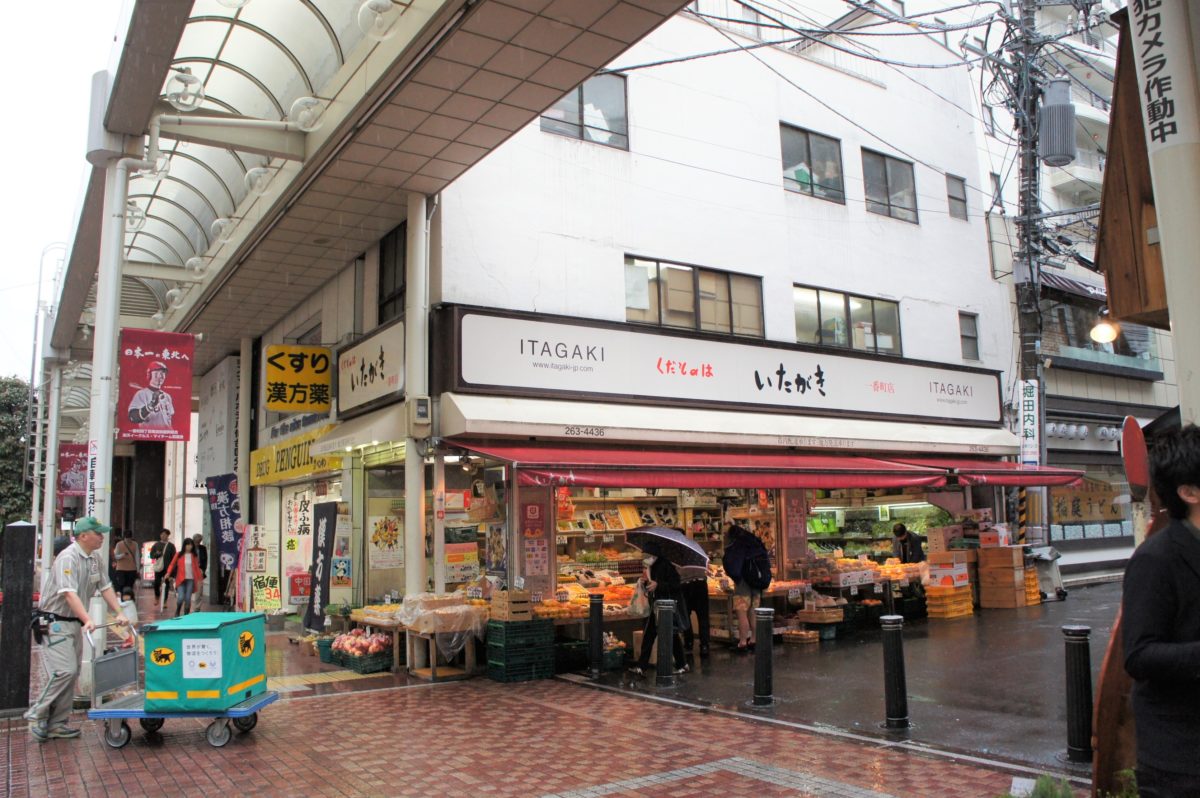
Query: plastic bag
(639, 605)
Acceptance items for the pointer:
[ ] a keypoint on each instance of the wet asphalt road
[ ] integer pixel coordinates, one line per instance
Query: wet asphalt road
(990, 684)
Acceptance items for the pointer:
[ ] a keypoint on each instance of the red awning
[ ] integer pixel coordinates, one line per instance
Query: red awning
(594, 467)
(1001, 473)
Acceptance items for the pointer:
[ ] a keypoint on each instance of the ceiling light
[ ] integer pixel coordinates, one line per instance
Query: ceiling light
(223, 229)
(161, 168)
(158, 319)
(1105, 330)
(306, 113)
(377, 18)
(197, 265)
(175, 298)
(258, 180)
(234, 4)
(135, 217)
(184, 90)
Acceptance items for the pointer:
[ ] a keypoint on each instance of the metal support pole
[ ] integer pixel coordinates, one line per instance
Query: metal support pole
(894, 683)
(1079, 693)
(664, 674)
(50, 494)
(595, 635)
(416, 353)
(764, 650)
(889, 599)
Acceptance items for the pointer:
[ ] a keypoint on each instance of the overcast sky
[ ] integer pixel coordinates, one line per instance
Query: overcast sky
(48, 61)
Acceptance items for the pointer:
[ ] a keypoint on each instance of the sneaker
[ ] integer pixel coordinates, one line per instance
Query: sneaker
(63, 732)
(636, 670)
(38, 733)
(685, 668)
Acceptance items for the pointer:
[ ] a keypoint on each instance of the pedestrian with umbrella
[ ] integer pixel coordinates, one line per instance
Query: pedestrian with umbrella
(666, 551)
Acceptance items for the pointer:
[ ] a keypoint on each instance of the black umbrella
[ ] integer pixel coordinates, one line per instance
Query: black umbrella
(671, 544)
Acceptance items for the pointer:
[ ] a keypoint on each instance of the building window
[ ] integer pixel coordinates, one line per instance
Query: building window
(945, 34)
(812, 163)
(594, 111)
(391, 274)
(692, 298)
(989, 120)
(968, 333)
(997, 192)
(956, 196)
(834, 318)
(891, 186)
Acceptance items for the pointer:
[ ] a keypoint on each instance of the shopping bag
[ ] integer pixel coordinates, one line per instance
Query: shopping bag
(639, 605)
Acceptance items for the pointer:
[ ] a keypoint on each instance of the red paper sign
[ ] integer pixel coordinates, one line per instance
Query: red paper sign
(155, 398)
(72, 469)
(300, 585)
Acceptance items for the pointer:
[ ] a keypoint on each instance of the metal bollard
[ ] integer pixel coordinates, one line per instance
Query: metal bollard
(595, 635)
(894, 683)
(764, 649)
(889, 599)
(664, 674)
(1079, 693)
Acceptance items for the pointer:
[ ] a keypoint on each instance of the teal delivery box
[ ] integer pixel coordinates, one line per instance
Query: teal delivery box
(204, 662)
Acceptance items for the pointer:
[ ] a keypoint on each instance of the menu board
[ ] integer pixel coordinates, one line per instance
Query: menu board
(536, 539)
(462, 562)
(795, 524)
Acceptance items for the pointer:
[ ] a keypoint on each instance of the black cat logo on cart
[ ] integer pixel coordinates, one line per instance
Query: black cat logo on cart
(162, 656)
(246, 643)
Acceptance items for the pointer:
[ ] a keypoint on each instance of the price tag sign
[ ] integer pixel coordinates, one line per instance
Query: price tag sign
(607, 539)
(795, 592)
(853, 590)
(589, 538)
(474, 592)
(878, 588)
(536, 598)
(562, 596)
(560, 540)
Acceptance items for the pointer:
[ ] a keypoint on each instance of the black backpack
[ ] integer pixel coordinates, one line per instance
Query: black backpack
(756, 570)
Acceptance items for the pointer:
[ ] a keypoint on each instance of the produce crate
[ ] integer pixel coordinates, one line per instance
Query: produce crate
(520, 673)
(515, 634)
(828, 631)
(504, 656)
(511, 605)
(570, 655)
(371, 663)
(324, 649)
(614, 659)
(800, 636)
(821, 616)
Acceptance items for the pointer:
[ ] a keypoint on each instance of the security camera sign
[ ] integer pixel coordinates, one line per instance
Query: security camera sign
(202, 659)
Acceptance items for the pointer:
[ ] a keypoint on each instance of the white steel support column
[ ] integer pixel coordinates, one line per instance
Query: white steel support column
(439, 523)
(104, 352)
(50, 494)
(416, 383)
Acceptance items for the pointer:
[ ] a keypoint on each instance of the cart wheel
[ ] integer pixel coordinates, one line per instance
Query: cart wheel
(218, 733)
(1062, 594)
(151, 725)
(117, 736)
(247, 723)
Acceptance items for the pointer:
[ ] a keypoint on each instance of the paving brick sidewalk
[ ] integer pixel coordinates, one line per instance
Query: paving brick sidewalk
(480, 738)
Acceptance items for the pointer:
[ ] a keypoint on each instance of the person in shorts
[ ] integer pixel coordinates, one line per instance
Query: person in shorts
(740, 547)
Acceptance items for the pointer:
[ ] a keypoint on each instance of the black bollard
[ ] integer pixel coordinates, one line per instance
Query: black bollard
(596, 635)
(664, 674)
(894, 684)
(1079, 693)
(889, 600)
(17, 566)
(764, 649)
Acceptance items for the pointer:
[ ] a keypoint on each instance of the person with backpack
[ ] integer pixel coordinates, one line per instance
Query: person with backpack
(661, 580)
(748, 564)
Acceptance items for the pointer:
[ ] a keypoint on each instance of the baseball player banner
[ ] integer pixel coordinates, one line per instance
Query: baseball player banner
(154, 402)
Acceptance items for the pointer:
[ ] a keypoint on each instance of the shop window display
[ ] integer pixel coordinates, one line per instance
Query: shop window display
(1089, 511)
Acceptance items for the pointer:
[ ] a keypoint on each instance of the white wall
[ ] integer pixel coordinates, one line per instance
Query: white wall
(544, 222)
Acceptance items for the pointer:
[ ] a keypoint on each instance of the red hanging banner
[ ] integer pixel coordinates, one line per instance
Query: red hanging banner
(72, 469)
(154, 402)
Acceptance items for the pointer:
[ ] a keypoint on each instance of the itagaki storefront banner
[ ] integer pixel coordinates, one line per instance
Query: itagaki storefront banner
(154, 400)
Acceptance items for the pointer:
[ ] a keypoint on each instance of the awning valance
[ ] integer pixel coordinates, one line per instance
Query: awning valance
(623, 467)
(1001, 473)
(387, 424)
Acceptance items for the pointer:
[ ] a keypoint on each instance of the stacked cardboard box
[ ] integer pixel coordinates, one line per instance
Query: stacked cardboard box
(967, 557)
(1002, 577)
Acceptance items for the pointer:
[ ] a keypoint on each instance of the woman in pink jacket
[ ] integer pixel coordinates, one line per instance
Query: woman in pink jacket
(185, 570)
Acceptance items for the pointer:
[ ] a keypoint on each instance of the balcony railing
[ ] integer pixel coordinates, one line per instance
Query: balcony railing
(1085, 97)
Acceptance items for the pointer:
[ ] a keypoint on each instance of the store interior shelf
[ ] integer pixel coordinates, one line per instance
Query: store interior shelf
(869, 501)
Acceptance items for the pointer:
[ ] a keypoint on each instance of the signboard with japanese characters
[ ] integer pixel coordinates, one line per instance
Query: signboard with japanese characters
(298, 379)
(324, 521)
(1029, 430)
(291, 459)
(371, 369)
(225, 511)
(266, 591)
(553, 357)
(72, 469)
(1162, 49)
(297, 530)
(154, 398)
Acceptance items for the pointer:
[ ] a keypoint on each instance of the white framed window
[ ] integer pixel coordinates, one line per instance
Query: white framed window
(890, 185)
(812, 163)
(594, 111)
(668, 294)
(968, 334)
(956, 196)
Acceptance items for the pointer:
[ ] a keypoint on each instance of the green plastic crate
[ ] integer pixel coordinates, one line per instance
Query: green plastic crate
(504, 656)
(513, 634)
(206, 661)
(369, 663)
(520, 673)
(570, 655)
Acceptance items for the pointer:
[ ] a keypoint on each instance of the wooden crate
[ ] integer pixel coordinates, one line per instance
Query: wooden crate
(511, 605)
(820, 616)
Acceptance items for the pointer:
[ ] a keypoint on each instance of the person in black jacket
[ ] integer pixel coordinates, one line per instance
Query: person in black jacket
(1160, 618)
(164, 551)
(742, 546)
(661, 580)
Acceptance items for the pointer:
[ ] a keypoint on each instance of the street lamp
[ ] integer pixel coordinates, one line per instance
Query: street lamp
(1105, 331)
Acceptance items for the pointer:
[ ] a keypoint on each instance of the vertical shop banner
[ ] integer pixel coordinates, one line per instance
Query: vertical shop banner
(341, 565)
(324, 523)
(1031, 444)
(299, 379)
(154, 400)
(296, 556)
(225, 510)
(72, 469)
(536, 539)
(795, 520)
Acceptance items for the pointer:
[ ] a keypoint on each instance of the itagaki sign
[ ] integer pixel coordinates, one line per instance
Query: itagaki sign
(371, 369)
(552, 357)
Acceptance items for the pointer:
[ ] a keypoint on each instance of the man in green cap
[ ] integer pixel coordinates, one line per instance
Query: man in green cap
(77, 575)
